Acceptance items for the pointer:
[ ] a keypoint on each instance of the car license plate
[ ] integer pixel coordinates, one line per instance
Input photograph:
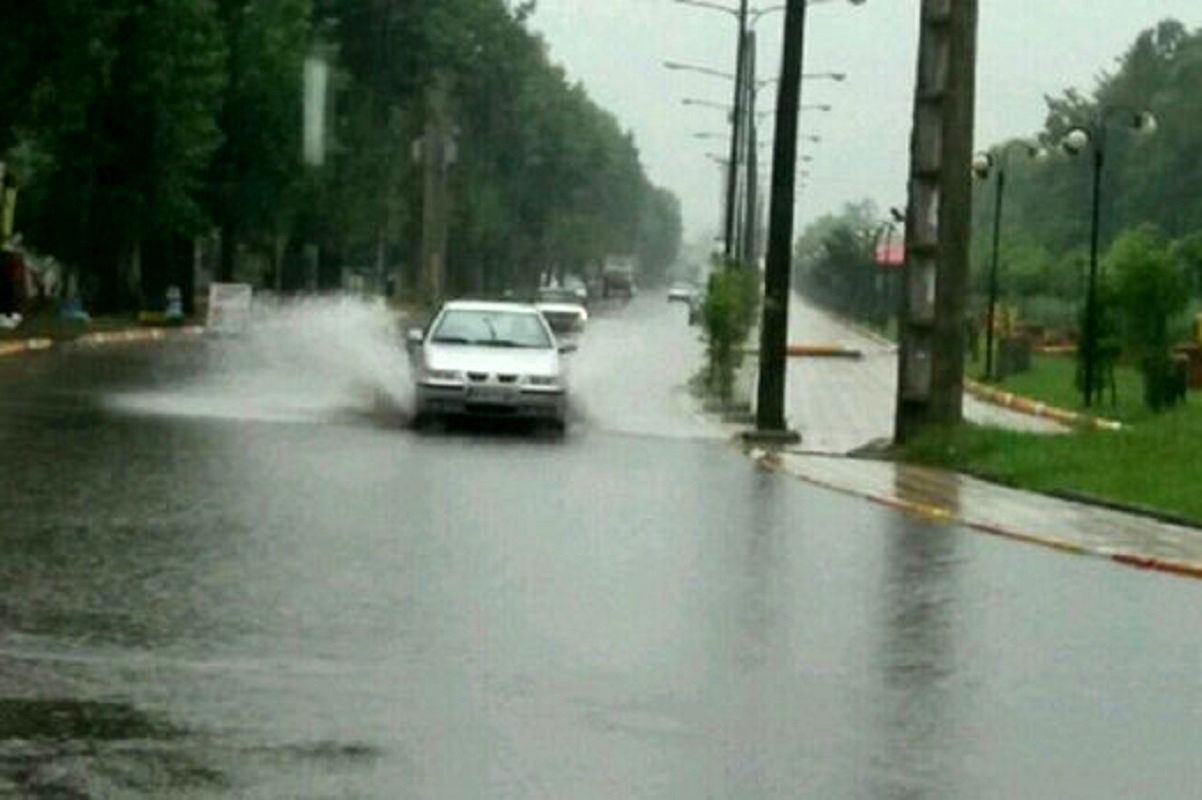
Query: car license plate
(487, 394)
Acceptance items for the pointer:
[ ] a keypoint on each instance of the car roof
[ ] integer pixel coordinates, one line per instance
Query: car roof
(490, 305)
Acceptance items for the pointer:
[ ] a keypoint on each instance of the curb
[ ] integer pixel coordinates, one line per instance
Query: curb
(135, 335)
(1034, 408)
(822, 351)
(98, 339)
(25, 346)
(941, 515)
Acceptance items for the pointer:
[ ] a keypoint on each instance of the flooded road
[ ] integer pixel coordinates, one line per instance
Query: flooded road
(323, 605)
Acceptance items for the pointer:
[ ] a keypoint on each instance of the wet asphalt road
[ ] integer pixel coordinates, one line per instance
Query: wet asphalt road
(203, 604)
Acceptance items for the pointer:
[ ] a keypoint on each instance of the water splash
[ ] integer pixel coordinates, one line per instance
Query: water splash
(311, 360)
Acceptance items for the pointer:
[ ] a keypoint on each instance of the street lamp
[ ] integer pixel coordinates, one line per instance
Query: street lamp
(699, 103)
(1076, 141)
(679, 66)
(984, 165)
(747, 19)
(770, 420)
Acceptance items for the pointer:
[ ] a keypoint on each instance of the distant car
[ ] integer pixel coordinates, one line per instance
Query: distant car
(493, 359)
(573, 290)
(565, 308)
(681, 293)
(618, 283)
(556, 294)
(565, 319)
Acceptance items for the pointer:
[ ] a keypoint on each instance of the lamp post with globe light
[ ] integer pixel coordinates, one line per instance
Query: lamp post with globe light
(996, 163)
(1092, 136)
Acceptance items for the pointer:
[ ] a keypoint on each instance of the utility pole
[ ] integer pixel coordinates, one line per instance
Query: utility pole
(774, 327)
(930, 390)
(750, 216)
(732, 176)
(436, 151)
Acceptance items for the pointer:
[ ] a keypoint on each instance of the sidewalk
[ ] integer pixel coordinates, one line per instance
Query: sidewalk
(841, 404)
(1022, 516)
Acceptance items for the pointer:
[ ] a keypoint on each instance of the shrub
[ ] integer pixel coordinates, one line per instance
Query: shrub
(728, 317)
(1149, 290)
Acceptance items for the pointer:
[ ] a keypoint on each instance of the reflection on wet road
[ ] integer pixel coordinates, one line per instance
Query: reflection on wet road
(202, 606)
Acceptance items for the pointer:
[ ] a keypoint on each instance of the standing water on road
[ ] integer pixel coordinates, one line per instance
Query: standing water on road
(299, 361)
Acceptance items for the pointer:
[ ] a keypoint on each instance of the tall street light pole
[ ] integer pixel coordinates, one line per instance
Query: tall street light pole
(770, 392)
(774, 325)
(732, 179)
(748, 256)
(983, 166)
(1094, 135)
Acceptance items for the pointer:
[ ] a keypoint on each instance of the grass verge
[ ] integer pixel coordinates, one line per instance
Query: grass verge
(1052, 380)
(1154, 464)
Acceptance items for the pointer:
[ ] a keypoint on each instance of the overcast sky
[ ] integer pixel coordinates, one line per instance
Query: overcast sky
(1028, 48)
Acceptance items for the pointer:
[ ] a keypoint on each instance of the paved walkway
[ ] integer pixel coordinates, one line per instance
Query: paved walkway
(1024, 516)
(841, 404)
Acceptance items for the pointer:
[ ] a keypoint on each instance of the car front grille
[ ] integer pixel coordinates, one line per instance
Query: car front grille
(507, 378)
(477, 377)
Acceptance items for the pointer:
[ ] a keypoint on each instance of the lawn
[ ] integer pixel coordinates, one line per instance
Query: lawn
(1052, 380)
(1153, 463)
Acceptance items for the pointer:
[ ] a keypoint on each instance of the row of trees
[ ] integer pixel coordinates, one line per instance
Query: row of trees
(835, 264)
(136, 127)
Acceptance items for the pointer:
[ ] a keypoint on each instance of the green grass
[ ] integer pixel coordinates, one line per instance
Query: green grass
(1051, 380)
(1155, 463)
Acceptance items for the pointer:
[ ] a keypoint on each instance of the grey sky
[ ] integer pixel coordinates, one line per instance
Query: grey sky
(1028, 48)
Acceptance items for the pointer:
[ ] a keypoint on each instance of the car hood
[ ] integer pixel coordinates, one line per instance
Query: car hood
(493, 360)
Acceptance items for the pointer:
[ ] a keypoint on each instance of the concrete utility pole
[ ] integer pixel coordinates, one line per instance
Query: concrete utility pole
(437, 152)
(930, 390)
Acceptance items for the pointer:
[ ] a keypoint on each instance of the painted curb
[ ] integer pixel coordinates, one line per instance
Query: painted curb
(946, 516)
(98, 339)
(134, 335)
(822, 351)
(1034, 408)
(25, 346)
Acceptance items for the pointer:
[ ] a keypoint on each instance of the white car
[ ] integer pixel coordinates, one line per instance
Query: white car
(681, 292)
(490, 359)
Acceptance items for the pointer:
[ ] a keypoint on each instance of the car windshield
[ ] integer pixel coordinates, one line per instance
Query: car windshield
(558, 295)
(491, 329)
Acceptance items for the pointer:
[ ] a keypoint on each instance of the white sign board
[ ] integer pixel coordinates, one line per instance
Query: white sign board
(229, 307)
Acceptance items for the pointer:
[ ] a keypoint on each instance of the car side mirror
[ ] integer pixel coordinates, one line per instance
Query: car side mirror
(415, 337)
(568, 347)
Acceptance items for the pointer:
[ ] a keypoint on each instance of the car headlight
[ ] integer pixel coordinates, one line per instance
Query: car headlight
(448, 375)
(545, 381)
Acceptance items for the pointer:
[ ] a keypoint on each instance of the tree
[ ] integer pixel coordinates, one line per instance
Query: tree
(256, 174)
(1148, 290)
(660, 232)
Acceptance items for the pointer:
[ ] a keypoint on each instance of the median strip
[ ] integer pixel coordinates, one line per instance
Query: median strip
(97, 339)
